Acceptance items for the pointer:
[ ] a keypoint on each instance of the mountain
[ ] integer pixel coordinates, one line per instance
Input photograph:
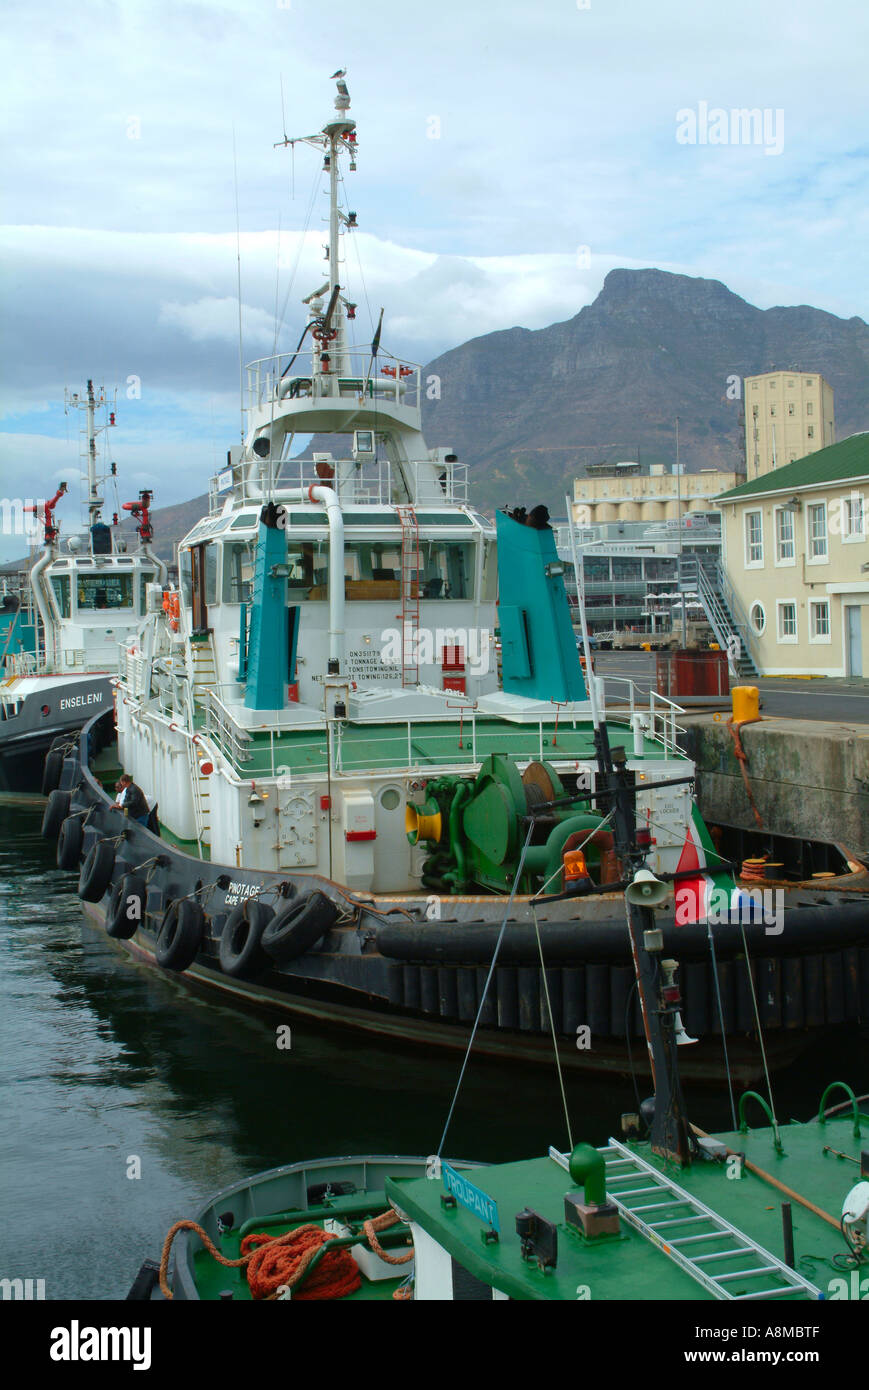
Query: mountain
(530, 408)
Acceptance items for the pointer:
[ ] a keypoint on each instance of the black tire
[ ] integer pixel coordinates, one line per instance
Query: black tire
(241, 953)
(299, 926)
(119, 923)
(180, 935)
(56, 813)
(51, 772)
(96, 871)
(69, 843)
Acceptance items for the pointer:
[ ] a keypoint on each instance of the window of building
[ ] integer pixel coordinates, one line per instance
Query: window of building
(810, 381)
(772, 410)
(787, 621)
(810, 409)
(757, 618)
(60, 585)
(784, 536)
(753, 539)
(104, 590)
(810, 432)
(757, 460)
(792, 410)
(819, 620)
(817, 524)
(854, 517)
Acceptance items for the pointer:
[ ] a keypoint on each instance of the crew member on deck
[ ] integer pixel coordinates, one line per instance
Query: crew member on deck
(131, 799)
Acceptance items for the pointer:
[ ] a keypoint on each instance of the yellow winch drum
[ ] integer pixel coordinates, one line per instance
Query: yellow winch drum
(423, 822)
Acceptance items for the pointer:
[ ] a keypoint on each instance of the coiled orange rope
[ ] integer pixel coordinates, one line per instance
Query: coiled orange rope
(274, 1262)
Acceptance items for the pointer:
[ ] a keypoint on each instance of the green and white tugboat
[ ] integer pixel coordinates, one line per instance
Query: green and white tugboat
(351, 803)
(775, 1215)
(59, 647)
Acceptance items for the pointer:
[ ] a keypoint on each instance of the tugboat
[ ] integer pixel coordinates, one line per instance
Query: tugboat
(351, 808)
(676, 1215)
(60, 644)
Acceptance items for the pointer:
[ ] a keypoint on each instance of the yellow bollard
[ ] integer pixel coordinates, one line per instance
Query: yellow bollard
(746, 703)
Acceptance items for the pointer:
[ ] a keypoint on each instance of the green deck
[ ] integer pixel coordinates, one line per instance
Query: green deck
(630, 1266)
(369, 746)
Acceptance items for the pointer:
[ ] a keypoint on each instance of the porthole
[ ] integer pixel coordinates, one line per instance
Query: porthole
(390, 798)
(757, 618)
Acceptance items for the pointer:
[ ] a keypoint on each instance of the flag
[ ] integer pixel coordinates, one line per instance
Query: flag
(375, 342)
(704, 888)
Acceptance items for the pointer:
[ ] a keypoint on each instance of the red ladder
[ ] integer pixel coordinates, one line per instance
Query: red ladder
(410, 568)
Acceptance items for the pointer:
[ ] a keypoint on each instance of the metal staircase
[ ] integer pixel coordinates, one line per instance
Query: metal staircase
(683, 1226)
(723, 612)
(410, 572)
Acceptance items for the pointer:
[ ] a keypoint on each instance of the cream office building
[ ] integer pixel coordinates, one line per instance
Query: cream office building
(787, 416)
(795, 546)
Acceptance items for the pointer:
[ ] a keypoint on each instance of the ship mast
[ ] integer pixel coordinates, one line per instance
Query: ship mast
(328, 322)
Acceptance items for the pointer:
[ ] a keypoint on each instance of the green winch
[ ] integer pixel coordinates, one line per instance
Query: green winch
(476, 828)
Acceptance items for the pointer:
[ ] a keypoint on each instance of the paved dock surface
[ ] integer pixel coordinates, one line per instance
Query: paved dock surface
(829, 698)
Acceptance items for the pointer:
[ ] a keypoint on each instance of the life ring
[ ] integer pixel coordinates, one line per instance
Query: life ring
(241, 953)
(51, 772)
(299, 926)
(96, 871)
(180, 934)
(69, 843)
(119, 923)
(56, 813)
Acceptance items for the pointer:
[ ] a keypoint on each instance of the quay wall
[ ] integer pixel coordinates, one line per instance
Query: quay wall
(809, 777)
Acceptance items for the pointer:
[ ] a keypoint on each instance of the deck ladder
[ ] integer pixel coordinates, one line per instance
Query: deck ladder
(681, 1225)
(410, 581)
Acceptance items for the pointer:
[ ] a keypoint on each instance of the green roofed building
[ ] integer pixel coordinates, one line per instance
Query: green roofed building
(796, 550)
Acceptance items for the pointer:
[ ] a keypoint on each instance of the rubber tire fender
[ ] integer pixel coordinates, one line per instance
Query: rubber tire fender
(52, 770)
(299, 927)
(69, 843)
(96, 871)
(118, 922)
(241, 954)
(56, 813)
(180, 934)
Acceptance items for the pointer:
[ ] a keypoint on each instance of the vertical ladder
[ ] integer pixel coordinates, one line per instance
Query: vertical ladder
(204, 669)
(410, 568)
(692, 1235)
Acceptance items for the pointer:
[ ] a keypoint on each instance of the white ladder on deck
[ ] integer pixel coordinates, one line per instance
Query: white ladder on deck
(625, 1169)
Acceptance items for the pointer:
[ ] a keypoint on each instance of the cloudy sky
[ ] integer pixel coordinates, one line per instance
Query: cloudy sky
(510, 155)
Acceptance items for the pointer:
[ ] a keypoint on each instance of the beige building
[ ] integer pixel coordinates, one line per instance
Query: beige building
(644, 492)
(796, 551)
(788, 415)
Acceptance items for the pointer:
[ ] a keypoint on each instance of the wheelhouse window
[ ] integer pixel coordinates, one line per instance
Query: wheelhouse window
(104, 590)
(373, 570)
(238, 566)
(146, 577)
(753, 538)
(817, 524)
(211, 574)
(60, 585)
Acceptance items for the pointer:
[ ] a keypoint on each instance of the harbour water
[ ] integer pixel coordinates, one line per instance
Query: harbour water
(106, 1062)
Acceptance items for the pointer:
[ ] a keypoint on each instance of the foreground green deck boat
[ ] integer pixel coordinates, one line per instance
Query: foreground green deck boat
(756, 1217)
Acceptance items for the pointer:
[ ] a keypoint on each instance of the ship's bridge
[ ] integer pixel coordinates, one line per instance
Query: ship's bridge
(328, 399)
